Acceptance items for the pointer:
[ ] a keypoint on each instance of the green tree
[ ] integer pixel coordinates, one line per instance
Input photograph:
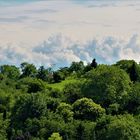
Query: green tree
(133, 104)
(30, 85)
(28, 70)
(43, 74)
(10, 71)
(76, 66)
(66, 111)
(133, 73)
(4, 124)
(107, 85)
(35, 86)
(28, 106)
(84, 130)
(85, 108)
(57, 77)
(131, 67)
(123, 127)
(113, 109)
(55, 136)
(72, 91)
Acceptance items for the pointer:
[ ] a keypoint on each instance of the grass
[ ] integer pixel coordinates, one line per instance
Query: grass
(60, 86)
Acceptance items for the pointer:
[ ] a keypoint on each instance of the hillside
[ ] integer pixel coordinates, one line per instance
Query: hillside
(79, 102)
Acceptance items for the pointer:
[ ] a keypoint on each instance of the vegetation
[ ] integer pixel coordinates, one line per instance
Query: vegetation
(79, 102)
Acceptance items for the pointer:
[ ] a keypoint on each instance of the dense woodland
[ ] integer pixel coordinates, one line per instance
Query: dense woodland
(79, 102)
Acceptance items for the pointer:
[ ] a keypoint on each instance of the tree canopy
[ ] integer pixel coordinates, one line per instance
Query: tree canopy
(78, 102)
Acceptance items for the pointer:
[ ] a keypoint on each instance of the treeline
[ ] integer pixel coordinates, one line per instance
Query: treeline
(79, 102)
(45, 74)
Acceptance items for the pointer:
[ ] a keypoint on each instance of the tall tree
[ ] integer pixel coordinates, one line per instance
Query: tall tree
(133, 73)
(43, 73)
(28, 70)
(93, 63)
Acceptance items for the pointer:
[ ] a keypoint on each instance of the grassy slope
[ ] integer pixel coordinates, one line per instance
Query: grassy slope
(62, 84)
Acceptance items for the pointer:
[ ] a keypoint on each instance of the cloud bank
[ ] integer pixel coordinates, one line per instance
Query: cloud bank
(61, 51)
(72, 30)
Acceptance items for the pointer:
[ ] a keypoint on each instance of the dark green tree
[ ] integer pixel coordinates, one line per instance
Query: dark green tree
(133, 73)
(76, 66)
(133, 104)
(131, 67)
(72, 91)
(43, 74)
(93, 63)
(123, 127)
(65, 110)
(28, 70)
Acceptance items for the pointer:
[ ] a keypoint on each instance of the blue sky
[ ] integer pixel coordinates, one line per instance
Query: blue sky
(58, 32)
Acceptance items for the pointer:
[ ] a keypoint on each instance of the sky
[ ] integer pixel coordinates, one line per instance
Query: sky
(57, 32)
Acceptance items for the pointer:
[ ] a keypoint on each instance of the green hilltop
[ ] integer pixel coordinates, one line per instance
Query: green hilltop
(79, 102)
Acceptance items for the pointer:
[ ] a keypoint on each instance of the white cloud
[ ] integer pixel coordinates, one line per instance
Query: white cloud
(100, 29)
(61, 51)
(76, 20)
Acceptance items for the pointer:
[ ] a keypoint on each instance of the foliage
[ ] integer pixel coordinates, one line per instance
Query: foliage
(107, 85)
(28, 70)
(124, 127)
(30, 85)
(72, 91)
(76, 66)
(133, 104)
(66, 111)
(85, 108)
(11, 72)
(55, 136)
(79, 102)
(131, 67)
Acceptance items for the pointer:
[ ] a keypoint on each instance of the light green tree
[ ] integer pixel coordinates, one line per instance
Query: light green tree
(55, 136)
(85, 108)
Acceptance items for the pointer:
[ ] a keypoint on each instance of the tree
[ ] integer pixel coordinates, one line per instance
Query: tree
(11, 72)
(30, 85)
(131, 67)
(28, 70)
(76, 66)
(88, 67)
(93, 63)
(107, 85)
(43, 73)
(55, 136)
(80, 132)
(4, 124)
(35, 86)
(28, 106)
(66, 111)
(123, 127)
(64, 72)
(113, 109)
(57, 77)
(133, 73)
(85, 108)
(133, 104)
(72, 91)
(85, 130)
(125, 64)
